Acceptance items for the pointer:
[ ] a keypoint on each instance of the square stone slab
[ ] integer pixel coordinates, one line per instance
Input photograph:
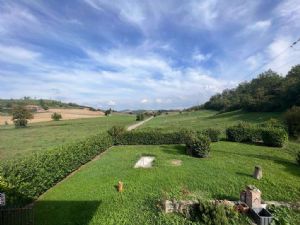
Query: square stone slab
(144, 162)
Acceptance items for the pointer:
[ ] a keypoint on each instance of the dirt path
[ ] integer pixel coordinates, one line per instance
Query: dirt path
(134, 126)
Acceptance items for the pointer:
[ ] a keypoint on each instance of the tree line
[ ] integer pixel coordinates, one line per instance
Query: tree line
(268, 92)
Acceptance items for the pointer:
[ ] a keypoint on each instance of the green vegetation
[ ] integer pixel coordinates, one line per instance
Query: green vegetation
(267, 93)
(32, 175)
(42, 136)
(21, 115)
(90, 196)
(198, 146)
(140, 117)
(269, 136)
(6, 105)
(204, 119)
(292, 119)
(56, 116)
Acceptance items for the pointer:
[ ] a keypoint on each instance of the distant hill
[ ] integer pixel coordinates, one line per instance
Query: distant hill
(269, 92)
(6, 105)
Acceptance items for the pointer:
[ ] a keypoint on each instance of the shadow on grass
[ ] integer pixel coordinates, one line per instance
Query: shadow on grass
(290, 167)
(244, 174)
(64, 212)
(223, 197)
(174, 149)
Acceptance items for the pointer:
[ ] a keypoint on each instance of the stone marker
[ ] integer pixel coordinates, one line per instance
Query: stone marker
(257, 172)
(253, 197)
(120, 186)
(144, 162)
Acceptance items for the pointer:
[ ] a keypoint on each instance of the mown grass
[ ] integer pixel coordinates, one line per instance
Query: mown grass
(206, 119)
(41, 136)
(90, 196)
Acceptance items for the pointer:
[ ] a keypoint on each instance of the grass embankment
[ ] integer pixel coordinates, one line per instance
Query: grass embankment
(41, 136)
(199, 120)
(90, 196)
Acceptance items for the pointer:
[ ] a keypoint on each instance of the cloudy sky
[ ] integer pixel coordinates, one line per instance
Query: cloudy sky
(141, 54)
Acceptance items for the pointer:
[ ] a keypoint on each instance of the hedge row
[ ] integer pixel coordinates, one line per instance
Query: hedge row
(269, 136)
(150, 137)
(33, 175)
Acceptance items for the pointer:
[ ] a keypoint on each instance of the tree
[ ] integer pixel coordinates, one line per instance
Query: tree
(108, 112)
(292, 119)
(21, 115)
(56, 116)
(140, 117)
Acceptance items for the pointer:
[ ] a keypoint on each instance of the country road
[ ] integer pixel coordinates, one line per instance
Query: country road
(134, 126)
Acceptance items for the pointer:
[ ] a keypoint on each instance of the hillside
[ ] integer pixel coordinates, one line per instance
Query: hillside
(269, 92)
(6, 105)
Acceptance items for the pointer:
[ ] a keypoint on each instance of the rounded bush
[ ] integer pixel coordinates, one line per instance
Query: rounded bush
(274, 137)
(20, 123)
(56, 116)
(115, 132)
(198, 146)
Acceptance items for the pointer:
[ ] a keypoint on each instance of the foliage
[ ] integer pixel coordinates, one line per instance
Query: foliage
(274, 123)
(115, 132)
(198, 146)
(140, 117)
(274, 137)
(280, 215)
(56, 116)
(20, 116)
(150, 137)
(269, 136)
(292, 119)
(211, 214)
(298, 158)
(213, 134)
(34, 174)
(108, 112)
(268, 92)
(243, 132)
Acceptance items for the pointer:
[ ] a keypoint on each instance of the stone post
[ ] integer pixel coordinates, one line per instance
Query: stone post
(257, 172)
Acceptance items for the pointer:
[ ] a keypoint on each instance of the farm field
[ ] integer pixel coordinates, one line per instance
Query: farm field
(205, 119)
(41, 136)
(90, 196)
(67, 114)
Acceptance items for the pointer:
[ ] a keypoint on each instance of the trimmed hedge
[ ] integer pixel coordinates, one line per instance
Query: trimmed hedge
(33, 175)
(150, 137)
(274, 137)
(213, 134)
(269, 136)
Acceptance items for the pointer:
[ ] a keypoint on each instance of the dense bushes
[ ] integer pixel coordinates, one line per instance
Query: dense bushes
(36, 173)
(150, 137)
(274, 137)
(56, 116)
(292, 119)
(269, 136)
(198, 146)
(213, 134)
(298, 158)
(115, 132)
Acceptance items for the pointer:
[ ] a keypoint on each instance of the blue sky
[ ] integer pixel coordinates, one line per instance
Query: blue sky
(141, 54)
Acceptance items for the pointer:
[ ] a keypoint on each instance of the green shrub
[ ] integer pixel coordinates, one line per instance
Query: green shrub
(140, 117)
(150, 137)
(272, 123)
(20, 116)
(243, 132)
(213, 134)
(34, 174)
(211, 214)
(274, 137)
(115, 132)
(56, 116)
(198, 146)
(292, 119)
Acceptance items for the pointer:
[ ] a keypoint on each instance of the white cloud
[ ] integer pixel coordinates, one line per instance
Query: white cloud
(15, 54)
(199, 57)
(111, 103)
(144, 101)
(260, 25)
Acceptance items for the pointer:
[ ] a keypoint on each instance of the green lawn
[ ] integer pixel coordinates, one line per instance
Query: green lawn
(90, 196)
(41, 136)
(205, 119)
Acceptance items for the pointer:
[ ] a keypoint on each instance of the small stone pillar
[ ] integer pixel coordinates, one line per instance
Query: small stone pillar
(253, 197)
(120, 186)
(257, 172)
